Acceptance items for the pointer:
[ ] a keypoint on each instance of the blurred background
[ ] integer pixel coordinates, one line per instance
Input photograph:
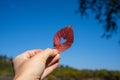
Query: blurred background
(32, 24)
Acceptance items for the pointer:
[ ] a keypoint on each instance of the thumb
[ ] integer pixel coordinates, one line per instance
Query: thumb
(44, 55)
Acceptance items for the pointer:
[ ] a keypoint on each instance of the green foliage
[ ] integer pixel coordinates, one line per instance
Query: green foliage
(6, 66)
(68, 73)
(63, 72)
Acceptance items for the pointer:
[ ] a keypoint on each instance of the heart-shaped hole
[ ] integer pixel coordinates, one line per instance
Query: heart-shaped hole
(62, 40)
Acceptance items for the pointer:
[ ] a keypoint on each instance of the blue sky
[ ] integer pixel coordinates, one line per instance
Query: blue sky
(32, 24)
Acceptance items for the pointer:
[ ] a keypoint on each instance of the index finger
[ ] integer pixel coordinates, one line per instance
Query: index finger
(45, 54)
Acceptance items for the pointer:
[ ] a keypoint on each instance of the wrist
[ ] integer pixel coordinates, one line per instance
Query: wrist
(25, 78)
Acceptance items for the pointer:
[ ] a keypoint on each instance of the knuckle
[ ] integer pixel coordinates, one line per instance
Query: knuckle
(49, 49)
(58, 56)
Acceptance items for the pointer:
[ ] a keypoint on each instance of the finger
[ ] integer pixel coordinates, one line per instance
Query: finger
(56, 51)
(31, 53)
(44, 55)
(51, 52)
(20, 59)
(52, 60)
(49, 70)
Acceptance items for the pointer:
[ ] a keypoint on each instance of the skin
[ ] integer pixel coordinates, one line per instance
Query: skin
(35, 64)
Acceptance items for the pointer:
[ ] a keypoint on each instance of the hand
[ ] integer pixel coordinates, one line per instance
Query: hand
(35, 64)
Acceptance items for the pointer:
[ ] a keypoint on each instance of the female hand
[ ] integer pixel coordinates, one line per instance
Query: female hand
(35, 64)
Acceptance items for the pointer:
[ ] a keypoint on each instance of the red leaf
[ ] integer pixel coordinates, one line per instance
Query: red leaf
(68, 35)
